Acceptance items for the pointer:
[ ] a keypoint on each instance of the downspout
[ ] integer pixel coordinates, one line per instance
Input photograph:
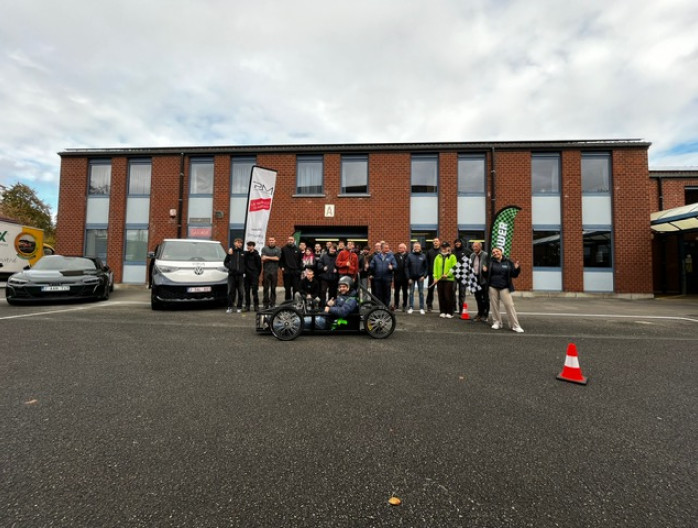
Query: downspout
(493, 199)
(181, 196)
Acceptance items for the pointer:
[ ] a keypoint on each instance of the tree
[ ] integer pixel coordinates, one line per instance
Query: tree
(20, 203)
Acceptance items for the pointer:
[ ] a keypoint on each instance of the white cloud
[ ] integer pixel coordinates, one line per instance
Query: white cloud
(182, 72)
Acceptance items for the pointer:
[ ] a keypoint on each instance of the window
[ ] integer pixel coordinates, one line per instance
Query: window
(690, 195)
(354, 174)
(136, 249)
(597, 249)
(201, 176)
(309, 175)
(425, 238)
(546, 249)
(240, 172)
(471, 174)
(139, 177)
(596, 173)
(96, 243)
(99, 178)
(468, 236)
(545, 173)
(425, 174)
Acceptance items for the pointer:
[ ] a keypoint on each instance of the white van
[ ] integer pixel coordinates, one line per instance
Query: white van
(188, 270)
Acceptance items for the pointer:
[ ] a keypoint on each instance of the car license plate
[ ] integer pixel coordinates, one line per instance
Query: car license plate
(55, 288)
(199, 289)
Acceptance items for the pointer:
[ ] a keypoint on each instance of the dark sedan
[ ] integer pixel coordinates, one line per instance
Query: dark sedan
(59, 277)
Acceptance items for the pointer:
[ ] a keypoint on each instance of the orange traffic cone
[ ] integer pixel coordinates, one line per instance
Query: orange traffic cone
(571, 371)
(464, 314)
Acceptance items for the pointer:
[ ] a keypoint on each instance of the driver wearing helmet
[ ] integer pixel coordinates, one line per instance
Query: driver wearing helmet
(346, 301)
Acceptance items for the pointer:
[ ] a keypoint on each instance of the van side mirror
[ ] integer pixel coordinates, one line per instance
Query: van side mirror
(151, 254)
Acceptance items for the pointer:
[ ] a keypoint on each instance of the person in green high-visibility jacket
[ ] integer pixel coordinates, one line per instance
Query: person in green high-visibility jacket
(444, 264)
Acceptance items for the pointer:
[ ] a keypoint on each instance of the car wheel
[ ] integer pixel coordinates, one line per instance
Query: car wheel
(286, 324)
(379, 323)
(11, 301)
(105, 297)
(155, 304)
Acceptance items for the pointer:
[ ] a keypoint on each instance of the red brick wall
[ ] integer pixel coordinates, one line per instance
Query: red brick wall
(572, 239)
(631, 218)
(386, 211)
(513, 187)
(70, 224)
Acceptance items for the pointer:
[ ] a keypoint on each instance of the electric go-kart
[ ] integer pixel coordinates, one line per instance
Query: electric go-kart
(288, 320)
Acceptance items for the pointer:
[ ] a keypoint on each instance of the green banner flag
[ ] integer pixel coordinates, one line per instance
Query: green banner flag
(503, 229)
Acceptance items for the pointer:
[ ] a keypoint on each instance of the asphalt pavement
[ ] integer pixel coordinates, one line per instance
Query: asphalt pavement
(112, 414)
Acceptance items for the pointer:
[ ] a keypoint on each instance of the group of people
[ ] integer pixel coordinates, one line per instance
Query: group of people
(314, 274)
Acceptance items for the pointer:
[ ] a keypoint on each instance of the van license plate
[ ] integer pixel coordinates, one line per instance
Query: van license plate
(199, 289)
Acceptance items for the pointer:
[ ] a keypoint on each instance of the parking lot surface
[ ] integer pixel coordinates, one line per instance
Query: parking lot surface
(115, 415)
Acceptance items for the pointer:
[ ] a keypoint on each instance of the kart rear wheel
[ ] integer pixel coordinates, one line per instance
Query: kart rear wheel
(286, 324)
(379, 323)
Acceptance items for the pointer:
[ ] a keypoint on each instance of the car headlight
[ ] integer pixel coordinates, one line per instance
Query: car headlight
(91, 280)
(16, 281)
(167, 269)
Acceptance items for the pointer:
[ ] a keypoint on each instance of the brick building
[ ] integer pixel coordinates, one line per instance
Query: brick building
(675, 244)
(584, 224)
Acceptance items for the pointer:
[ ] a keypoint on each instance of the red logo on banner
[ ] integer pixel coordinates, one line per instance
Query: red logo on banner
(260, 204)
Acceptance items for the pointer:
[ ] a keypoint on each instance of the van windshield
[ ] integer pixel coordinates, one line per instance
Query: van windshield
(192, 250)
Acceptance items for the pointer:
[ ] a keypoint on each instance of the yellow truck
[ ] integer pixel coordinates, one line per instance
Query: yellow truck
(20, 246)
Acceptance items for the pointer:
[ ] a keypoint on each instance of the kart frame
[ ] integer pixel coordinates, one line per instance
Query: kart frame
(290, 319)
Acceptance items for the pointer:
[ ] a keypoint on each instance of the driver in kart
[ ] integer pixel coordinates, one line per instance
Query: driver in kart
(346, 301)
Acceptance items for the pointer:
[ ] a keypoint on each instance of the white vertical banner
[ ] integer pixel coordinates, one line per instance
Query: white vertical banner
(262, 183)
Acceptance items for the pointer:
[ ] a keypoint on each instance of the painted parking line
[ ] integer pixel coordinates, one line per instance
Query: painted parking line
(75, 309)
(608, 316)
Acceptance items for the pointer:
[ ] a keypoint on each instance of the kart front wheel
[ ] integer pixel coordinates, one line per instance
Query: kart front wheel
(379, 323)
(286, 324)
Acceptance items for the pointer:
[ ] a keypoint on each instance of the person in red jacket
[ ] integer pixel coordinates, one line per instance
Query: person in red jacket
(347, 261)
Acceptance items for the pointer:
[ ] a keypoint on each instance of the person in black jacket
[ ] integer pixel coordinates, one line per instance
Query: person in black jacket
(309, 291)
(290, 264)
(327, 272)
(432, 252)
(400, 278)
(501, 271)
(253, 268)
(235, 263)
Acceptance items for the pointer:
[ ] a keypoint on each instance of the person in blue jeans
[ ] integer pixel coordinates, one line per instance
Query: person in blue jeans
(381, 269)
(416, 271)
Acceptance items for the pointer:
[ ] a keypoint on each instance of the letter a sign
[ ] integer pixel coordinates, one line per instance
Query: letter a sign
(329, 210)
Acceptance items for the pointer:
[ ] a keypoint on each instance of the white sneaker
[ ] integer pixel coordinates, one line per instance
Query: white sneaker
(518, 330)
(496, 326)
(239, 310)
(443, 315)
(409, 310)
(229, 310)
(421, 312)
(449, 316)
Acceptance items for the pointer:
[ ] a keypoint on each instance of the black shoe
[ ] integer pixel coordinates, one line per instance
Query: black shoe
(256, 308)
(247, 308)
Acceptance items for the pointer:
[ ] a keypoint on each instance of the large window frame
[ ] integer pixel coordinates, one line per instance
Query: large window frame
(354, 174)
(598, 248)
(96, 243)
(545, 174)
(139, 177)
(596, 173)
(240, 172)
(424, 174)
(547, 248)
(472, 175)
(135, 245)
(310, 172)
(99, 178)
(201, 172)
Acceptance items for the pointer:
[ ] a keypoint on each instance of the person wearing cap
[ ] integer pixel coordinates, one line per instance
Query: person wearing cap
(501, 272)
(346, 301)
(444, 263)
(253, 268)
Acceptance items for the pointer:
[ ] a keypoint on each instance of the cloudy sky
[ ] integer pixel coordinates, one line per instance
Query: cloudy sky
(86, 73)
